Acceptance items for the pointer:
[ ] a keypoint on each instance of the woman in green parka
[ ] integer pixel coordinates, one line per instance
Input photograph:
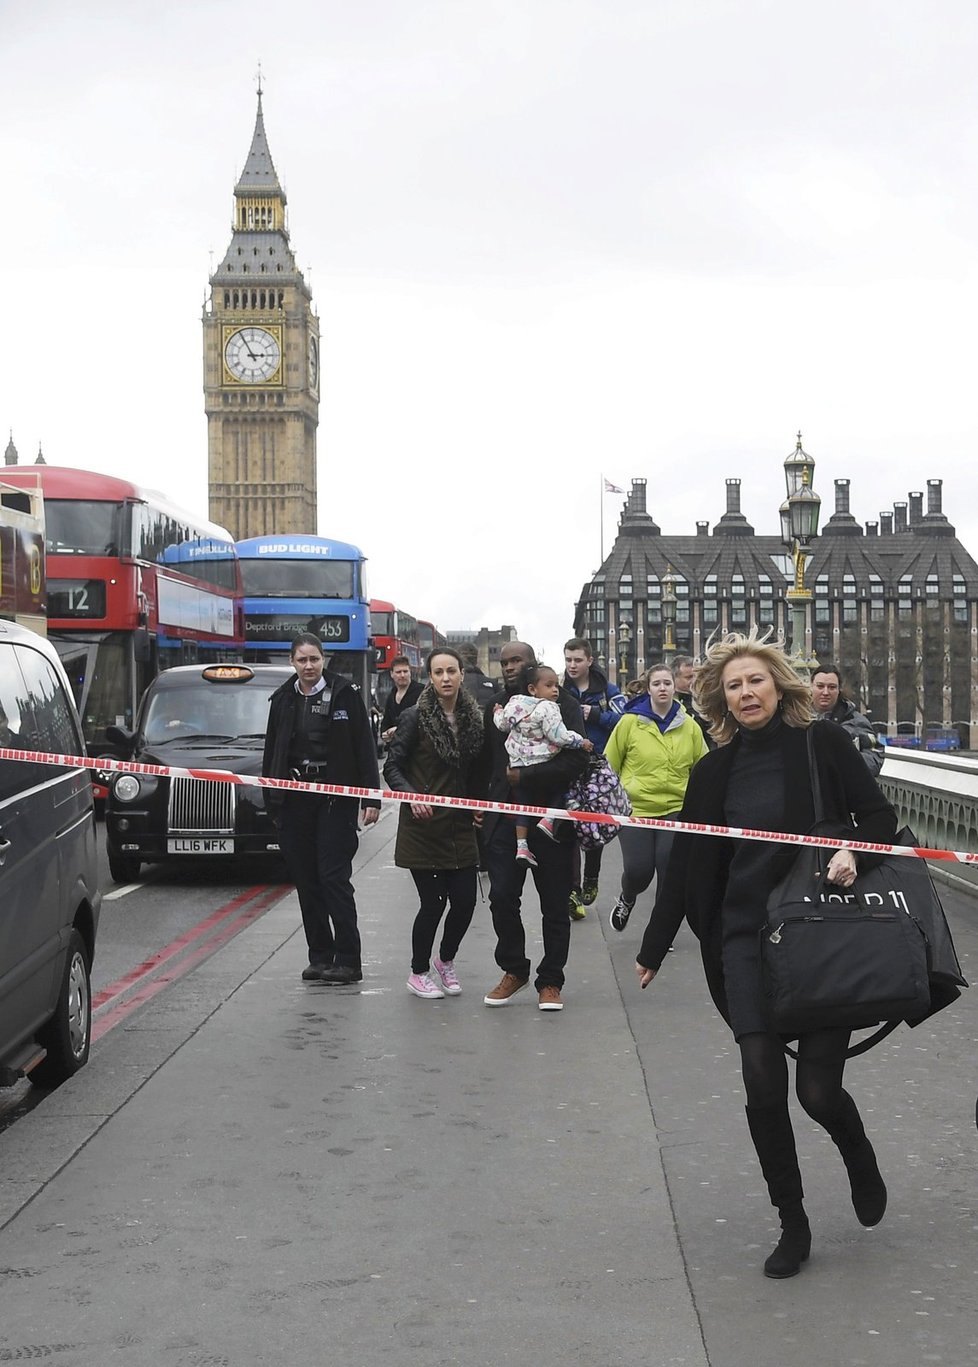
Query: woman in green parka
(435, 749)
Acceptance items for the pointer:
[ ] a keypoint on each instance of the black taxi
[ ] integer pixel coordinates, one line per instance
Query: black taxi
(193, 717)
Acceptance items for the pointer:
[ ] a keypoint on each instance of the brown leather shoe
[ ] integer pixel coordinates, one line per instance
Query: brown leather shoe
(507, 987)
(550, 999)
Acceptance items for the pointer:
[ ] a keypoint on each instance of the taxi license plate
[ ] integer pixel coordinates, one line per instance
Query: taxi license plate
(199, 844)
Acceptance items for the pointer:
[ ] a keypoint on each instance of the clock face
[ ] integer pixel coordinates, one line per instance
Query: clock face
(313, 363)
(252, 355)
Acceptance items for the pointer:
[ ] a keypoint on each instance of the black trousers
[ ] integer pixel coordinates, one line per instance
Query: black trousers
(553, 879)
(644, 855)
(438, 888)
(319, 839)
(592, 864)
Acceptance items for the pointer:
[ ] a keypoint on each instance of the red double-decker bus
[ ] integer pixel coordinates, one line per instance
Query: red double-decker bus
(134, 584)
(393, 633)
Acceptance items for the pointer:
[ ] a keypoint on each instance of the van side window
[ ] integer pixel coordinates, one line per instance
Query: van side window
(15, 728)
(54, 728)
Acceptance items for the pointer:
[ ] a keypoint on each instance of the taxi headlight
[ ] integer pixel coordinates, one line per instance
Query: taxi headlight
(126, 788)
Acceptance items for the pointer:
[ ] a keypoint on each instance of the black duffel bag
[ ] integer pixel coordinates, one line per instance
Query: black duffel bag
(845, 957)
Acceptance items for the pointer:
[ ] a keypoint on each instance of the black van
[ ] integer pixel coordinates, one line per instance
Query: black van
(49, 897)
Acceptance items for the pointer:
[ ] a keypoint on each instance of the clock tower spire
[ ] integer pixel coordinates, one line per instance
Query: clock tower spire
(261, 365)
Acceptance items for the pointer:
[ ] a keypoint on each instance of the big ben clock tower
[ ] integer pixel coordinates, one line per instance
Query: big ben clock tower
(261, 366)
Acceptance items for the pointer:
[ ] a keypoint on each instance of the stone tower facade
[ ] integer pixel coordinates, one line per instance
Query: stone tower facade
(261, 366)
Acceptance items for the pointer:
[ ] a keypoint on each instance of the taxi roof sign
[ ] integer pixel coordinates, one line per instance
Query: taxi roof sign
(227, 673)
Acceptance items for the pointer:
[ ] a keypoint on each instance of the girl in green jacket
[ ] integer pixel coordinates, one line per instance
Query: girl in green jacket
(652, 749)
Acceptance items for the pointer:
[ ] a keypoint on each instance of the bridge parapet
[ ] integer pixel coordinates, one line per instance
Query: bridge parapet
(937, 797)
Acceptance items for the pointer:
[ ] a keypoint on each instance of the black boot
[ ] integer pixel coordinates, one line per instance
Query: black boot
(774, 1140)
(865, 1181)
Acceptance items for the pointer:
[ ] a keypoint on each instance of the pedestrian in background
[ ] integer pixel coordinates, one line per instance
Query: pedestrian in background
(831, 704)
(475, 680)
(404, 694)
(552, 872)
(602, 703)
(652, 750)
(318, 730)
(684, 674)
(760, 778)
(436, 748)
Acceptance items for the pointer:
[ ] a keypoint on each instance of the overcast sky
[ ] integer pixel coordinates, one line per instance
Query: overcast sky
(546, 240)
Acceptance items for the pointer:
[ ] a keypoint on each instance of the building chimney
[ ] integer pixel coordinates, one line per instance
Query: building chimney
(886, 524)
(635, 517)
(872, 529)
(733, 522)
(702, 529)
(842, 496)
(899, 517)
(934, 497)
(916, 508)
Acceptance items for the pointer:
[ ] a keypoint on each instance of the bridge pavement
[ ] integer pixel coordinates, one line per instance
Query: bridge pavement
(253, 1170)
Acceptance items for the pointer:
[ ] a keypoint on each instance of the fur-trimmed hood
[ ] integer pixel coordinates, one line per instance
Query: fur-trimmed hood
(458, 744)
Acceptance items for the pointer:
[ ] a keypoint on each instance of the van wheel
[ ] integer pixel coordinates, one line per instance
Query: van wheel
(123, 868)
(67, 1036)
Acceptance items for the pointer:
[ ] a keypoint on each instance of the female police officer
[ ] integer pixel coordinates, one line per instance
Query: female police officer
(318, 730)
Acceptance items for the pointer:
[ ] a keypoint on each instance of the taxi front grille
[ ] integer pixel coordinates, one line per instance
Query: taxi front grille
(198, 806)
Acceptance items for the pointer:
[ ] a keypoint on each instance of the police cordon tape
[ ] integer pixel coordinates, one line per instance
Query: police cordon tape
(472, 804)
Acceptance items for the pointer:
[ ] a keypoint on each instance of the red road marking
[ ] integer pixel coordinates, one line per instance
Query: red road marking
(255, 903)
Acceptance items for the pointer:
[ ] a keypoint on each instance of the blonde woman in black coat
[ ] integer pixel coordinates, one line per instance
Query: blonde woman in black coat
(435, 749)
(758, 777)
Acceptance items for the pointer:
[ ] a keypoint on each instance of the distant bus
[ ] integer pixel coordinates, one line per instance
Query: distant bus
(394, 632)
(22, 557)
(428, 637)
(306, 583)
(134, 584)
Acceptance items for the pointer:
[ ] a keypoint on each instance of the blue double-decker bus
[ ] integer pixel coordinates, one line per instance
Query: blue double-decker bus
(306, 583)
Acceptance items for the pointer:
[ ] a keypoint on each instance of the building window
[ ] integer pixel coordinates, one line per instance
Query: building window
(960, 599)
(653, 591)
(904, 597)
(877, 607)
(823, 609)
(738, 601)
(710, 612)
(850, 612)
(625, 586)
(681, 589)
(765, 607)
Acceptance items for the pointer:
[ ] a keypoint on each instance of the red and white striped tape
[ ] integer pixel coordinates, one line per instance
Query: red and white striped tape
(288, 785)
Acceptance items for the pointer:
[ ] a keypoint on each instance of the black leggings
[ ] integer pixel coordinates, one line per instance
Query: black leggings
(818, 1078)
(438, 888)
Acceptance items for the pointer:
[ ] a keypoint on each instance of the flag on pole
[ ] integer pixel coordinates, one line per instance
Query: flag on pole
(610, 488)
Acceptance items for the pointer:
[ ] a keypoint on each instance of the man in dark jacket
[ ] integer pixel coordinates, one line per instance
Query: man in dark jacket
(552, 874)
(602, 703)
(831, 705)
(318, 731)
(474, 680)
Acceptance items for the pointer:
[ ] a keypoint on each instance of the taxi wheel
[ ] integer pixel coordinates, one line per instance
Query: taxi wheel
(123, 868)
(67, 1036)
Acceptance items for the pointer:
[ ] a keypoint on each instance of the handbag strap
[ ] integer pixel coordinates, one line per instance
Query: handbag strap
(862, 1047)
(813, 774)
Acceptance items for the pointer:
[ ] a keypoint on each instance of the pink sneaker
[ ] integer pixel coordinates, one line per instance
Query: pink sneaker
(449, 978)
(422, 986)
(546, 827)
(524, 852)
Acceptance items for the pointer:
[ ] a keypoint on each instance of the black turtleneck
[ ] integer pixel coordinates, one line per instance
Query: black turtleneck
(755, 798)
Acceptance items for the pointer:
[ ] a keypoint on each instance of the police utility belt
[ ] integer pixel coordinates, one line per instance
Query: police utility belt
(309, 769)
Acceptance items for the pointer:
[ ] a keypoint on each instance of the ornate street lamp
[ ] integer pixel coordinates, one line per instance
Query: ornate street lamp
(799, 526)
(624, 636)
(668, 614)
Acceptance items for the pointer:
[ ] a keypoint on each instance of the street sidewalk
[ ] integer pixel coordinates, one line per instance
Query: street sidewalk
(253, 1169)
